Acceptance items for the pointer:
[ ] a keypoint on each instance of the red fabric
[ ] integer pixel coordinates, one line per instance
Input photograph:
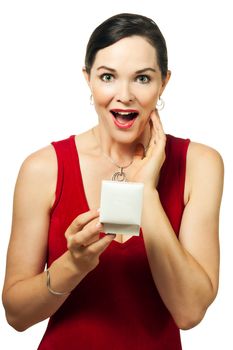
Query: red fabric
(116, 306)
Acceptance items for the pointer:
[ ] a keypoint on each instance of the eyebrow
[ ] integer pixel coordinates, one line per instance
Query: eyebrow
(137, 72)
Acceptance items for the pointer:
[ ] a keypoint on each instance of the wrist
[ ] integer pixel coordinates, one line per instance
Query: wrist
(71, 267)
(65, 275)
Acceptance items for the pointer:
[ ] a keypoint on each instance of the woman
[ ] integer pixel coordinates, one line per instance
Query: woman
(116, 291)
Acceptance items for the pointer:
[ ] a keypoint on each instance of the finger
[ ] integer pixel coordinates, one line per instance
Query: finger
(158, 138)
(158, 123)
(153, 134)
(85, 237)
(160, 134)
(80, 221)
(139, 151)
(99, 246)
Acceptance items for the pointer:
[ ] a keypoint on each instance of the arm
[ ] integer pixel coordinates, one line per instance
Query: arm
(185, 271)
(25, 296)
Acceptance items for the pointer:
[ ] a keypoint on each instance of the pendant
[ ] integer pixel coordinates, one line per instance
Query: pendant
(119, 176)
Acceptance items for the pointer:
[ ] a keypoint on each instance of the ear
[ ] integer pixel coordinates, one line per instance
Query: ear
(165, 81)
(86, 75)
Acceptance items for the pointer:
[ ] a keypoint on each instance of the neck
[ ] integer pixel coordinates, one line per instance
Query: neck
(119, 151)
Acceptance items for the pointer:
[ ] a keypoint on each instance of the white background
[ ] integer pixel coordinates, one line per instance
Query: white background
(43, 97)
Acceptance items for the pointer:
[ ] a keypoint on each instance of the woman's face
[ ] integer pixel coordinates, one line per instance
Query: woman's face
(125, 79)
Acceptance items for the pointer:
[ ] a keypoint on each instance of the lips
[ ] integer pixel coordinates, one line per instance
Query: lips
(124, 118)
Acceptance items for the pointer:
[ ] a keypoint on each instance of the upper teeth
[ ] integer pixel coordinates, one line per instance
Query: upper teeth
(124, 113)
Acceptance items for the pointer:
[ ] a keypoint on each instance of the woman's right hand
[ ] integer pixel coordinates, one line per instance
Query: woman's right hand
(83, 241)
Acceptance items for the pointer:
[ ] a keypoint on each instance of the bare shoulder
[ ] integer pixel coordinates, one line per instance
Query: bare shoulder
(39, 171)
(201, 157)
(200, 151)
(205, 166)
(42, 161)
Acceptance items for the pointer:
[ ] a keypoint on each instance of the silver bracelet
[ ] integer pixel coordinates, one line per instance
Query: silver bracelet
(49, 287)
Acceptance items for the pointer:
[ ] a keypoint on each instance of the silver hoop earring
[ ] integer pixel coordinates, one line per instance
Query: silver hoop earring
(160, 104)
(91, 100)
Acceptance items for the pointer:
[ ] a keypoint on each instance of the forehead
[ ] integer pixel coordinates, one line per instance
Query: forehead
(134, 51)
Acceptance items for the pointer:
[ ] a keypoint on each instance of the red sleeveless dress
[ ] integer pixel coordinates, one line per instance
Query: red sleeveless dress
(116, 306)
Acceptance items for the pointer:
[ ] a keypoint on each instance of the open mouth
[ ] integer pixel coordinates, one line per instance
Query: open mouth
(124, 117)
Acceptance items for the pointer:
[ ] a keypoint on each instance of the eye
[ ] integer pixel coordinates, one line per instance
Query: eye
(106, 77)
(144, 79)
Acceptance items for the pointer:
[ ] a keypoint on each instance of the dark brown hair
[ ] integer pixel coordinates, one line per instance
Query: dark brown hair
(124, 25)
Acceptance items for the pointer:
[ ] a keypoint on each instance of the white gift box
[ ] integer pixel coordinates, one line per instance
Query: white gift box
(121, 207)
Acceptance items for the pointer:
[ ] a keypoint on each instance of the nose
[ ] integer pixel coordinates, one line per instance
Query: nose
(124, 93)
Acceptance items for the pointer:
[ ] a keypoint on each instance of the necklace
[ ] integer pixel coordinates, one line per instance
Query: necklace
(119, 175)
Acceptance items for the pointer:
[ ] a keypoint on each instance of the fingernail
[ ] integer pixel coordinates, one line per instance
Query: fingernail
(98, 210)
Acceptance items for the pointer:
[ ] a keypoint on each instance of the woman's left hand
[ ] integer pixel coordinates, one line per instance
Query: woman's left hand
(146, 168)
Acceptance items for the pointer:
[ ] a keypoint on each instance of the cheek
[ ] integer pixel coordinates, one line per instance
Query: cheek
(102, 94)
(148, 99)
(147, 95)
